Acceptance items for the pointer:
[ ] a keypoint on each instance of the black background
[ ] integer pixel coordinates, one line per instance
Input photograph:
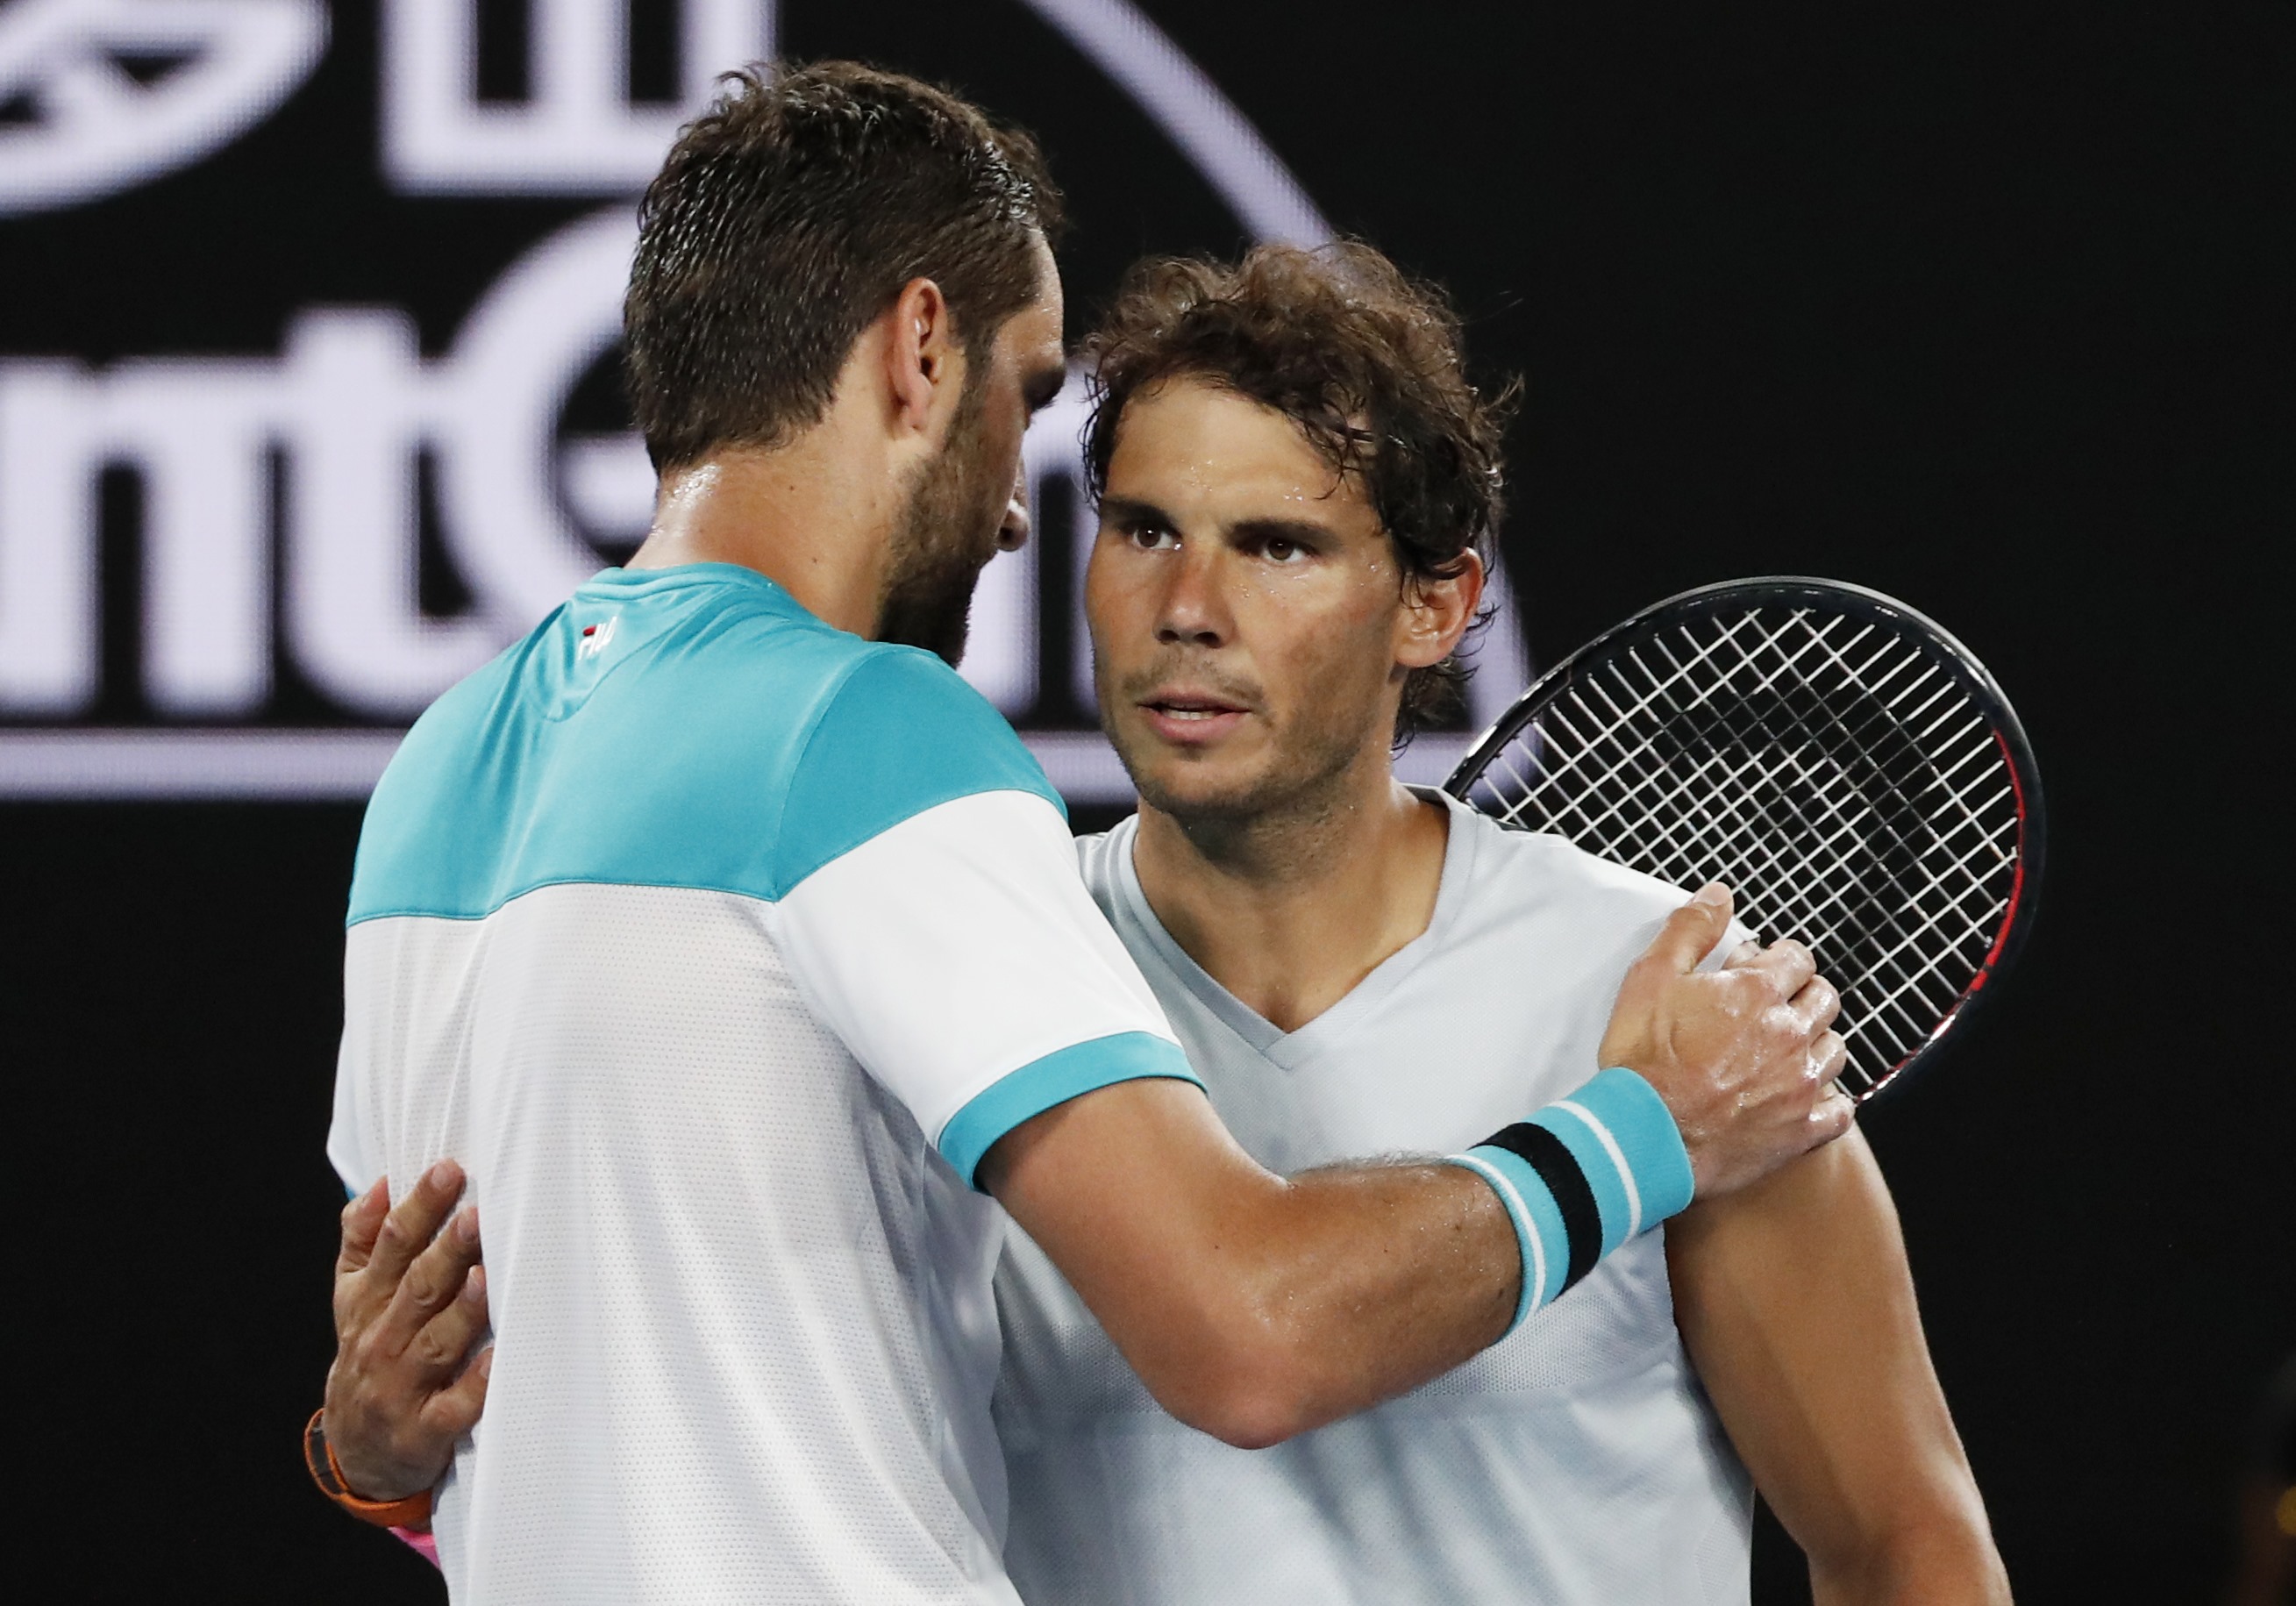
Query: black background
(1968, 307)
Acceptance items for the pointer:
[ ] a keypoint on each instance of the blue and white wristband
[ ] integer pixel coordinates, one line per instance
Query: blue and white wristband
(1582, 1176)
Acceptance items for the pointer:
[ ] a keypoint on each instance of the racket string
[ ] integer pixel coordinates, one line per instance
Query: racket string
(1832, 772)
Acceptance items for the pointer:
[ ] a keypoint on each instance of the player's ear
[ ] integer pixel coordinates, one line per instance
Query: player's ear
(921, 357)
(1437, 610)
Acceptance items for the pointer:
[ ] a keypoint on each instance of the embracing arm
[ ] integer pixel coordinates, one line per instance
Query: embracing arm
(1256, 1307)
(1796, 1303)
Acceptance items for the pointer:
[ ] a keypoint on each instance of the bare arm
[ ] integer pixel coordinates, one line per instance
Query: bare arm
(1796, 1303)
(1256, 1307)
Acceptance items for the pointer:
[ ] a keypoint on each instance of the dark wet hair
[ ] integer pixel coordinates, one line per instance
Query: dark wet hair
(1364, 359)
(788, 216)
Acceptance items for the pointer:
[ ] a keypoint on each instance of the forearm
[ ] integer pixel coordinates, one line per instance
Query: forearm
(1574, 1183)
(1949, 1560)
(1317, 1295)
(1256, 1307)
(1796, 1306)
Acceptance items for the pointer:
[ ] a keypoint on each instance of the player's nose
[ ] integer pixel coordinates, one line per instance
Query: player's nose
(1193, 607)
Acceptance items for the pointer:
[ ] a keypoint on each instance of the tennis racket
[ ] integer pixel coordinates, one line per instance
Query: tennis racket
(1851, 770)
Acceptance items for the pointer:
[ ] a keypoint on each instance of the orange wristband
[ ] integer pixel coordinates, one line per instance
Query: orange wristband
(319, 1457)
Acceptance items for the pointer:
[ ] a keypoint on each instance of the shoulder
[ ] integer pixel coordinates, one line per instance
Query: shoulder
(908, 701)
(900, 734)
(1561, 869)
(768, 722)
(453, 722)
(416, 849)
(1533, 883)
(1100, 855)
(720, 742)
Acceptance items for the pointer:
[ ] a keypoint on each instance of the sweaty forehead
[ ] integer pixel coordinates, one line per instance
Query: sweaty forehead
(1030, 344)
(1190, 441)
(1043, 318)
(1030, 339)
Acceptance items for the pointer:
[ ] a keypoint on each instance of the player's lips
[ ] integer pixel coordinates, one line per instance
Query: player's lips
(1190, 717)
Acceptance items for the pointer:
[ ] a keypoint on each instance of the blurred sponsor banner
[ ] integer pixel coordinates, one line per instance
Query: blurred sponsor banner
(292, 511)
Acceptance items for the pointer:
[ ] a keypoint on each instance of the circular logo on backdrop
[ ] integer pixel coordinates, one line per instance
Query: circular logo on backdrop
(99, 95)
(501, 458)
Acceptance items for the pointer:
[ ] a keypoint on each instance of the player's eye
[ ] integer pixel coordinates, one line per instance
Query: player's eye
(1153, 538)
(1282, 550)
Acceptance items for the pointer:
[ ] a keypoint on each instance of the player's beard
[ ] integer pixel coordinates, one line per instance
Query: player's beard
(947, 534)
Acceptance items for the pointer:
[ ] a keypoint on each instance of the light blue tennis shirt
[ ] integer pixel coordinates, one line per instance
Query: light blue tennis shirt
(1576, 1462)
(718, 946)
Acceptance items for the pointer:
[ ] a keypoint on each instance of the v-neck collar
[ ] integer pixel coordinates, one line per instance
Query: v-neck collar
(1290, 1050)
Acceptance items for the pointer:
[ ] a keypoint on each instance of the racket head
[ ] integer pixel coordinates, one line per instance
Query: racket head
(1852, 771)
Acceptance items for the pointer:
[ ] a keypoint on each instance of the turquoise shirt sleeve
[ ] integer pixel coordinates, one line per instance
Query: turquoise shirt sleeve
(903, 734)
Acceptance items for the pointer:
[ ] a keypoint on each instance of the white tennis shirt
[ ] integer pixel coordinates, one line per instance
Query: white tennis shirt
(1576, 1462)
(718, 946)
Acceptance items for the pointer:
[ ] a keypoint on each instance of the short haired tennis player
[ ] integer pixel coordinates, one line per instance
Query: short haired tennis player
(730, 945)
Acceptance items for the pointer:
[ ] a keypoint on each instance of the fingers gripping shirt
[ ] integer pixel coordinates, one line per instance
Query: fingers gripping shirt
(719, 952)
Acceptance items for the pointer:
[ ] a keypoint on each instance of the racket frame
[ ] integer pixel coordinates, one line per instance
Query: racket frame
(1858, 601)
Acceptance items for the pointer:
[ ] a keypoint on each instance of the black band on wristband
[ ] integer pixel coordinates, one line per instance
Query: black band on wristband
(1582, 1217)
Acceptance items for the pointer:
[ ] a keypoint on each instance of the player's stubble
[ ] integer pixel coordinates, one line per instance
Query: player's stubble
(952, 509)
(1315, 736)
